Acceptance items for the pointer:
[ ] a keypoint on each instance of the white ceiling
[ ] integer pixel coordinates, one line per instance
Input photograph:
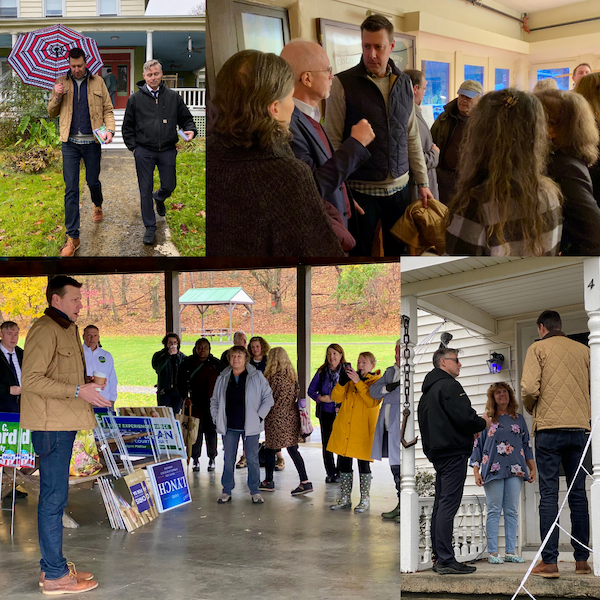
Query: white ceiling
(531, 6)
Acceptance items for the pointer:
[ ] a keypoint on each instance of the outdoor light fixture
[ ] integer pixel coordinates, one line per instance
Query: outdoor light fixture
(114, 37)
(495, 362)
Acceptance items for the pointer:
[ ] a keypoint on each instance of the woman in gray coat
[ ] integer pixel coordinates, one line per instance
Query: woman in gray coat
(240, 402)
(386, 443)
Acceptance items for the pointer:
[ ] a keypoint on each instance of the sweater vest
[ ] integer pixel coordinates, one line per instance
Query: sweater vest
(389, 150)
(80, 122)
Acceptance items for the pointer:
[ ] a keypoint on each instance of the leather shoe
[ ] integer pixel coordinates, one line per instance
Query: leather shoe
(79, 575)
(545, 570)
(582, 567)
(71, 246)
(149, 237)
(68, 584)
(160, 206)
(98, 215)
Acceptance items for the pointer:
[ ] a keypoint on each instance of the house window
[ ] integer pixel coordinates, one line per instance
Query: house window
(501, 79)
(8, 8)
(560, 75)
(474, 72)
(438, 82)
(108, 8)
(54, 8)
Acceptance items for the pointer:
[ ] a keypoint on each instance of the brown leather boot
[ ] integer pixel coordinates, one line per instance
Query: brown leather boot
(582, 567)
(71, 246)
(98, 215)
(545, 570)
(67, 585)
(79, 575)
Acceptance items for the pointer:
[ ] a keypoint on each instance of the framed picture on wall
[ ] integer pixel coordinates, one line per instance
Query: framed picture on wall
(342, 43)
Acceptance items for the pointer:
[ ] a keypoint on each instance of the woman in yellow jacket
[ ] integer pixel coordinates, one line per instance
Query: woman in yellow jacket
(354, 428)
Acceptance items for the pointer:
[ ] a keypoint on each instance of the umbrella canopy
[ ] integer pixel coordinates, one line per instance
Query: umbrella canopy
(40, 57)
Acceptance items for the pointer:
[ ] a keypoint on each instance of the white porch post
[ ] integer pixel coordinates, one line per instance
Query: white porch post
(14, 36)
(409, 501)
(149, 48)
(591, 282)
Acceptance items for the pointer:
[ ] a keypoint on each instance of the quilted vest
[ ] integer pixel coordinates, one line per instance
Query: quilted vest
(81, 121)
(389, 150)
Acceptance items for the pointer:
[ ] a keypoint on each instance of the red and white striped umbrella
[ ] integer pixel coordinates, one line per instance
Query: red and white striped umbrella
(40, 57)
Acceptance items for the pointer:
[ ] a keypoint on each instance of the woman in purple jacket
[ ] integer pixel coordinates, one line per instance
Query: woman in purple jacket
(320, 388)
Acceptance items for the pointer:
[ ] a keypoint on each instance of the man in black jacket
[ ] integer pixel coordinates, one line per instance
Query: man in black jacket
(11, 359)
(447, 423)
(150, 130)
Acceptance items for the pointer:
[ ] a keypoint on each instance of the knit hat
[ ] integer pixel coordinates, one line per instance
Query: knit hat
(470, 88)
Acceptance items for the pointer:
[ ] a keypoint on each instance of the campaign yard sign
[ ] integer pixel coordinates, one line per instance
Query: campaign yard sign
(169, 484)
(16, 447)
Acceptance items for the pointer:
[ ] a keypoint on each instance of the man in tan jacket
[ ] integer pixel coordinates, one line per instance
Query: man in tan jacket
(84, 105)
(555, 388)
(56, 403)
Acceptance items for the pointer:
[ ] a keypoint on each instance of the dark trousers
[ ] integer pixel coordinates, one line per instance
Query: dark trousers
(553, 446)
(10, 403)
(54, 449)
(171, 398)
(145, 161)
(345, 465)
(388, 209)
(396, 473)
(208, 431)
(72, 155)
(326, 420)
(296, 457)
(450, 475)
(113, 96)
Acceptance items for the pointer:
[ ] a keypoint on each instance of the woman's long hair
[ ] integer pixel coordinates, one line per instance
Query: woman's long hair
(247, 84)
(589, 88)
(264, 345)
(491, 407)
(503, 158)
(337, 348)
(572, 123)
(278, 361)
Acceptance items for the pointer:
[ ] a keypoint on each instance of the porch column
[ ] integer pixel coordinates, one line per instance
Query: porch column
(409, 501)
(149, 48)
(172, 315)
(14, 36)
(591, 282)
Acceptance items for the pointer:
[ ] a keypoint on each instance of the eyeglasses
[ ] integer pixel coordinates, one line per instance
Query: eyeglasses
(327, 70)
(450, 358)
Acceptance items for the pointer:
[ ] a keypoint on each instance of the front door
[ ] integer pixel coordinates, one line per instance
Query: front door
(121, 68)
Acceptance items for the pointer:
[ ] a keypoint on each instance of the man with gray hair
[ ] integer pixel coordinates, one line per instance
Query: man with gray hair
(154, 119)
(447, 423)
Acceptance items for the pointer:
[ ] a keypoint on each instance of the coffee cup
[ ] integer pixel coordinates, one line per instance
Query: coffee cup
(100, 379)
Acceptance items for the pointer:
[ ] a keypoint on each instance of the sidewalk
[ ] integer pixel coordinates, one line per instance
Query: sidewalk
(121, 231)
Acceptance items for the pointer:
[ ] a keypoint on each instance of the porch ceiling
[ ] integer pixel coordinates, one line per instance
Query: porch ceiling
(477, 292)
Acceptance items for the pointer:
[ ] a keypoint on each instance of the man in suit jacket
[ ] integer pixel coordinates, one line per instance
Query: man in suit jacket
(310, 143)
(11, 360)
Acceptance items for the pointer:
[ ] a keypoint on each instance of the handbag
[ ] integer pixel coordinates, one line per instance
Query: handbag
(306, 427)
(189, 429)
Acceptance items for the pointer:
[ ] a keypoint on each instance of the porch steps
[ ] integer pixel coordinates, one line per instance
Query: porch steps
(117, 143)
(493, 581)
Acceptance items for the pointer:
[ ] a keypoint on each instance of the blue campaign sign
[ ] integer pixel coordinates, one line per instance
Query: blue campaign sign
(170, 484)
(141, 446)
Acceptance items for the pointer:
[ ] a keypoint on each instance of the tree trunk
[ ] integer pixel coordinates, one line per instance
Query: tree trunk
(111, 300)
(155, 305)
(124, 289)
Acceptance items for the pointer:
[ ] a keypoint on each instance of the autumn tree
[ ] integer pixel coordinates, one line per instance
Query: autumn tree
(199, 9)
(23, 297)
(276, 285)
(357, 285)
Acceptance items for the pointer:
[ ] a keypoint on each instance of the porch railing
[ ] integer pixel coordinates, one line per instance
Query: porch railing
(193, 97)
(467, 534)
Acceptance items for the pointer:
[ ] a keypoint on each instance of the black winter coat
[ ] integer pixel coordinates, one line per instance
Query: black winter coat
(446, 419)
(152, 123)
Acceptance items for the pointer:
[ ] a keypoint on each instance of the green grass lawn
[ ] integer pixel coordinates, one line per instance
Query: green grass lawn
(31, 212)
(133, 356)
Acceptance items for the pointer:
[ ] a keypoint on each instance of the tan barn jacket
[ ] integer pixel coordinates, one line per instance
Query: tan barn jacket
(101, 108)
(555, 386)
(53, 366)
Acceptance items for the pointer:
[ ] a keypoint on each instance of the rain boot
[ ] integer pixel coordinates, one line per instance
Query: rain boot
(346, 488)
(365, 493)
(395, 512)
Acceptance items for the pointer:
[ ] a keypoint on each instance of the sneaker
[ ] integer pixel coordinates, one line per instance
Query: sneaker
(267, 486)
(211, 465)
(303, 488)
(224, 498)
(160, 206)
(71, 246)
(98, 215)
(149, 237)
(455, 568)
(241, 464)
(257, 499)
(280, 464)
(79, 575)
(514, 558)
(68, 584)
(494, 559)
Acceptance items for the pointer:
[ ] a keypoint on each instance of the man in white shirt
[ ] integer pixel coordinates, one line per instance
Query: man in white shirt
(98, 359)
(11, 359)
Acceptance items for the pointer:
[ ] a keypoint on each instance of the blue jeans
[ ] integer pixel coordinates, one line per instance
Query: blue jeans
(230, 442)
(54, 449)
(72, 155)
(553, 446)
(502, 494)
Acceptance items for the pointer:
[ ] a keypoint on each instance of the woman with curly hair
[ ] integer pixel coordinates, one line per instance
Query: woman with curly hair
(282, 424)
(320, 388)
(503, 204)
(256, 183)
(574, 135)
(500, 459)
(258, 348)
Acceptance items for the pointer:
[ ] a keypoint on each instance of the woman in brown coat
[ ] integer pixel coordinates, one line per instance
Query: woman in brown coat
(282, 424)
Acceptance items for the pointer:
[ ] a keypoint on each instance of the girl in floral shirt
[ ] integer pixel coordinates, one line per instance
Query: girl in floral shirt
(500, 460)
